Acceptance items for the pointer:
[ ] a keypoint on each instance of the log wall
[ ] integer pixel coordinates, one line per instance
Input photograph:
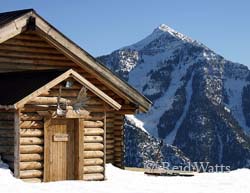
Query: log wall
(94, 148)
(31, 146)
(7, 138)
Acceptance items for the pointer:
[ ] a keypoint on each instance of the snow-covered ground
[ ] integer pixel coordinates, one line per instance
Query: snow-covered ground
(121, 181)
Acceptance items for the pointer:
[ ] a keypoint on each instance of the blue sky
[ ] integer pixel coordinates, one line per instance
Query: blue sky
(102, 26)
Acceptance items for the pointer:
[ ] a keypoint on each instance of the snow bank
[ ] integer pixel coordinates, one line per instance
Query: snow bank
(121, 181)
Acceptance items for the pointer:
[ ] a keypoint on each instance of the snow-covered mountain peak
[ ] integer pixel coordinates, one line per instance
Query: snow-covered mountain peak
(161, 37)
(200, 100)
(166, 29)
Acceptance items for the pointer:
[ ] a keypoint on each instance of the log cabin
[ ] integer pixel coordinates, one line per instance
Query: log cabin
(61, 110)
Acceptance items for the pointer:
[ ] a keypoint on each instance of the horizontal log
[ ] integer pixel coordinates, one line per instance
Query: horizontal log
(28, 49)
(6, 124)
(31, 132)
(93, 131)
(109, 161)
(28, 43)
(35, 61)
(118, 134)
(109, 124)
(96, 114)
(109, 152)
(95, 108)
(33, 180)
(31, 157)
(126, 112)
(109, 131)
(31, 174)
(110, 141)
(31, 149)
(110, 115)
(30, 165)
(118, 161)
(25, 36)
(118, 128)
(90, 139)
(75, 86)
(31, 117)
(118, 149)
(31, 125)
(118, 116)
(110, 146)
(47, 100)
(118, 140)
(118, 137)
(10, 67)
(92, 169)
(64, 93)
(27, 55)
(118, 123)
(31, 141)
(110, 136)
(109, 119)
(35, 108)
(93, 154)
(53, 100)
(93, 146)
(93, 124)
(91, 177)
(119, 143)
(90, 162)
(110, 157)
(7, 116)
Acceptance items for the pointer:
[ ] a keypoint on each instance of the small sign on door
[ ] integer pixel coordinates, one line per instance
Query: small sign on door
(60, 137)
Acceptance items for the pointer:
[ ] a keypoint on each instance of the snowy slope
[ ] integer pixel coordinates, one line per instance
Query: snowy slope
(200, 99)
(123, 181)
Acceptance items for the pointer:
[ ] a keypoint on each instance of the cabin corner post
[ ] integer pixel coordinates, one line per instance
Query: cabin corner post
(17, 144)
(46, 169)
(104, 144)
(79, 149)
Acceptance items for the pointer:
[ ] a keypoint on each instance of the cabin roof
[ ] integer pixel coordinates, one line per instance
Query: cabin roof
(14, 23)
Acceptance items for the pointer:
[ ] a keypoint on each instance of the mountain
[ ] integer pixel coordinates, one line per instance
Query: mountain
(201, 101)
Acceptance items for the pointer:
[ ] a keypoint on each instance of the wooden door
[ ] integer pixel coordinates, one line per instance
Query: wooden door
(59, 150)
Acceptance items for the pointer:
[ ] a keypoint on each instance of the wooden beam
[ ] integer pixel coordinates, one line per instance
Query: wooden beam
(14, 28)
(28, 43)
(47, 62)
(28, 49)
(79, 149)
(17, 144)
(32, 55)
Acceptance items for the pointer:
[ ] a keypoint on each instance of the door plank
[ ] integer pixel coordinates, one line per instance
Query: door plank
(59, 154)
